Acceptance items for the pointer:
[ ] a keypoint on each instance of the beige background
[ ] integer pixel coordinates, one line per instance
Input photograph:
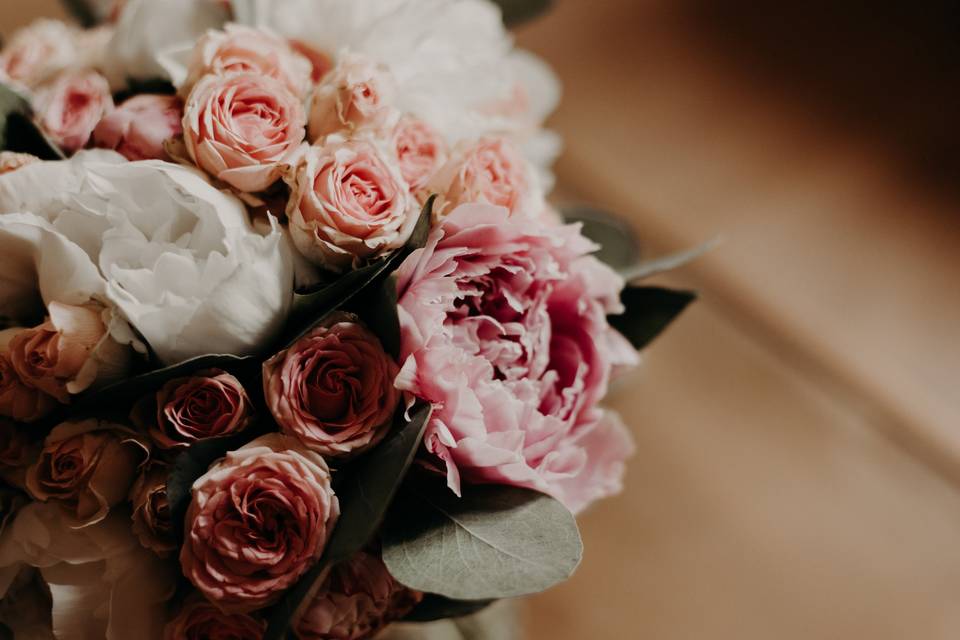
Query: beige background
(797, 472)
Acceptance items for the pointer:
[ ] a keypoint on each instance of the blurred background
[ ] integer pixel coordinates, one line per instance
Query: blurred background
(798, 430)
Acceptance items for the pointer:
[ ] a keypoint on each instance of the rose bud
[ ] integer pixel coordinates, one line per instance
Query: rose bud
(420, 151)
(11, 161)
(357, 93)
(258, 520)
(70, 109)
(37, 53)
(151, 511)
(209, 404)
(348, 203)
(68, 353)
(243, 129)
(357, 600)
(88, 467)
(200, 620)
(139, 127)
(17, 400)
(241, 49)
(333, 390)
(491, 171)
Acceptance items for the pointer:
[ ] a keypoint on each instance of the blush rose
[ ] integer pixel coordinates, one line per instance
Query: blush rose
(357, 93)
(139, 127)
(72, 106)
(420, 151)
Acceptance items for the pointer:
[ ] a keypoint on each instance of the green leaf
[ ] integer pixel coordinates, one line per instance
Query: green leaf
(434, 607)
(310, 307)
(519, 11)
(650, 268)
(18, 131)
(365, 490)
(619, 247)
(494, 542)
(649, 310)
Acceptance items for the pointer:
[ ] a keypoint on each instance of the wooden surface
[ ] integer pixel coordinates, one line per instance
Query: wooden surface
(797, 471)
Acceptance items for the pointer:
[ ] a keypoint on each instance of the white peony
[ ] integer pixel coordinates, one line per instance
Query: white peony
(176, 258)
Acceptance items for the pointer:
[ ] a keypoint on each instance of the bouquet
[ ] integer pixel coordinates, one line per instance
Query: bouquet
(291, 342)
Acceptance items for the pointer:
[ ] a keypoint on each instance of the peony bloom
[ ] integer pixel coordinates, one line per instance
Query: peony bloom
(68, 353)
(151, 511)
(420, 151)
(87, 467)
(18, 400)
(37, 53)
(358, 93)
(164, 250)
(243, 128)
(239, 49)
(139, 127)
(70, 108)
(209, 404)
(504, 325)
(358, 599)
(258, 520)
(200, 620)
(333, 389)
(490, 171)
(11, 161)
(348, 203)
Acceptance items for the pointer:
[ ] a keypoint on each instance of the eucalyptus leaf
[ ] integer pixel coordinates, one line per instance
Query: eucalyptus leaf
(365, 489)
(649, 310)
(494, 542)
(650, 268)
(18, 131)
(519, 11)
(434, 607)
(619, 247)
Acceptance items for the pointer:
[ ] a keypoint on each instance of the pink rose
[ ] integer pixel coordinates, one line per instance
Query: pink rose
(200, 620)
(490, 171)
(320, 62)
(358, 93)
(333, 389)
(348, 203)
(19, 401)
(258, 520)
(139, 127)
(151, 512)
(504, 325)
(11, 161)
(70, 109)
(37, 53)
(240, 49)
(358, 599)
(88, 467)
(209, 404)
(243, 128)
(420, 150)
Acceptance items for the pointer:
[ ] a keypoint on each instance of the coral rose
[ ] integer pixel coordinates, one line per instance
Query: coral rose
(504, 326)
(243, 128)
(18, 400)
(333, 389)
(88, 467)
(151, 511)
(138, 128)
(357, 93)
(358, 599)
(348, 203)
(70, 109)
(209, 404)
(200, 620)
(420, 150)
(258, 520)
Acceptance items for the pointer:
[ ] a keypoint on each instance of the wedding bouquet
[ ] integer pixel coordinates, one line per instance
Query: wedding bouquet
(292, 342)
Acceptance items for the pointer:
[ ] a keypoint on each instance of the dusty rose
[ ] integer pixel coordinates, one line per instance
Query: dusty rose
(358, 599)
(504, 325)
(243, 128)
(258, 520)
(37, 53)
(349, 203)
(88, 467)
(151, 511)
(357, 93)
(138, 128)
(11, 161)
(420, 150)
(208, 404)
(333, 389)
(18, 400)
(200, 620)
(489, 171)
(240, 49)
(70, 108)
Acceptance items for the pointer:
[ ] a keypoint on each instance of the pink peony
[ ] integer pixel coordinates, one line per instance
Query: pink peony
(70, 109)
(505, 331)
(349, 203)
(243, 128)
(240, 49)
(258, 520)
(420, 151)
(358, 599)
(333, 390)
(200, 620)
(358, 93)
(139, 127)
